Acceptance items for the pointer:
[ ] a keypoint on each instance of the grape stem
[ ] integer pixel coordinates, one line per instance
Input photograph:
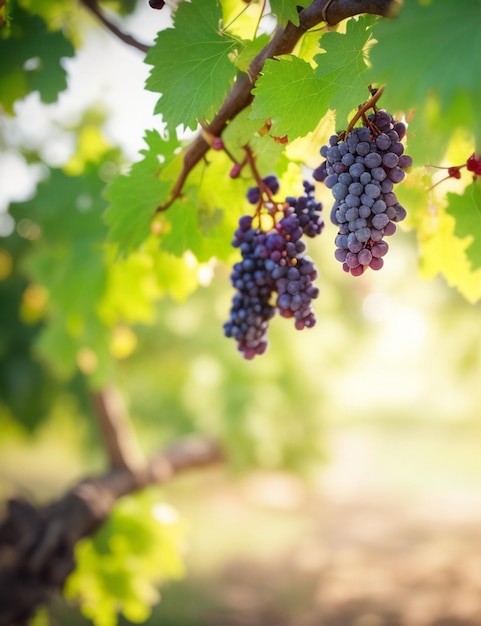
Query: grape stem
(251, 160)
(94, 8)
(263, 188)
(454, 171)
(362, 110)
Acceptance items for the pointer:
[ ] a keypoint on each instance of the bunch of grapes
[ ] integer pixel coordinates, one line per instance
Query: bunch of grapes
(275, 274)
(361, 170)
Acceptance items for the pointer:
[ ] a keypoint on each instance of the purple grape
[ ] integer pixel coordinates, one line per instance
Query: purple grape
(272, 182)
(253, 195)
(274, 262)
(361, 172)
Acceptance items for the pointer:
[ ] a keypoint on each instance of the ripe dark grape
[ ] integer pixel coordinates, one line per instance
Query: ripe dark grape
(274, 274)
(272, 183)
(250, 311)
(361, 170)
(253, 195)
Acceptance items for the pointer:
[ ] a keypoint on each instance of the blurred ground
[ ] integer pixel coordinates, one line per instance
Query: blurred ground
(362, 548)
(387, 533)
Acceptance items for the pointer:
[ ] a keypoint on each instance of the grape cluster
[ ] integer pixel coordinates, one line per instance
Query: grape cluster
(361, 171)
(275, 274)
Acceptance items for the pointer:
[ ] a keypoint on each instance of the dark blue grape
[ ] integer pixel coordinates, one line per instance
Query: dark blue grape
(272, 182)
(253, 195)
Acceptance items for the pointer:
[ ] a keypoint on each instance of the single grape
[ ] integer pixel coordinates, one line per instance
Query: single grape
(253, 195)
(272, 182)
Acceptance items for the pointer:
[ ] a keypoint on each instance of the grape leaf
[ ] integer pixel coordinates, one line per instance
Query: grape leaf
(466, 209)
(292, 96)
(295, 96)
(441, 58)
(184, 235)
(134, 197)
(118, 569)
(251, 49)
(286, 10)
(68, 261)
(31, 59)
(344, 63)
(191, 65)
(441, 252)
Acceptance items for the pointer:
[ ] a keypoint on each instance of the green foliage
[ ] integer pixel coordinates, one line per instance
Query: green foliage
(119, 568)
(344, 65)
(31, 58)
(440, 43)
(191, 65)
(290, 94)
(296, 96)
(135, 197)
(466, 209)
(434, 77)
(286, 10)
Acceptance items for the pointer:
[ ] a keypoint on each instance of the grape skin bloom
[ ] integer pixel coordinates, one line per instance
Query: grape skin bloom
(275, 274)
(361, 171)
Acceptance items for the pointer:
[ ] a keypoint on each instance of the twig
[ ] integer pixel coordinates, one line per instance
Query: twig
(283, 42)
(117, 431)
(371, 103)
(128, 39)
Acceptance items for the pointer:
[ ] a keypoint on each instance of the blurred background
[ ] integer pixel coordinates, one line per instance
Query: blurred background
(351, 495)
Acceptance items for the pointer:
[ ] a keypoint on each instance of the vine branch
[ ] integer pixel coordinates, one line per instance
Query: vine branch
(117, 431)
(37, 544)
(94, 8)
(283, 42)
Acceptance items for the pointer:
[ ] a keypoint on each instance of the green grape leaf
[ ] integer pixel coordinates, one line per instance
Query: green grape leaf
(441, 252)
(243, 130)
(440, 59)
(466, 209)
(252, 48)
(134, 197)
(118, 569)
(68, 260)
(292, 96)
(184, 234)
(31, 59)
(295, 96)
(191, 65)
(344, 64)
(286, 10)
